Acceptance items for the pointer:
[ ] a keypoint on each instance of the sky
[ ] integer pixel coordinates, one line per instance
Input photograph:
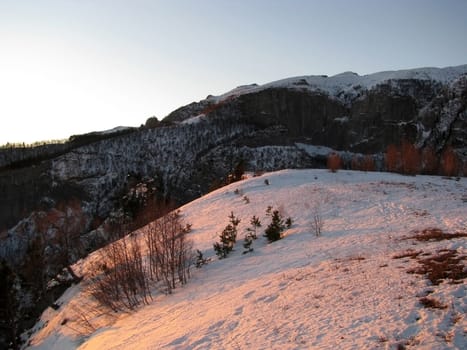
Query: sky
(75, 66)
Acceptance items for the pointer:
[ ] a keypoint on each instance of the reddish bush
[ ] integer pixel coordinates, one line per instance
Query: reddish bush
(334, 162)
(430, 161)
(368, 163)
(449, 162)
(410, 159)
(356, 163)
(393, 158)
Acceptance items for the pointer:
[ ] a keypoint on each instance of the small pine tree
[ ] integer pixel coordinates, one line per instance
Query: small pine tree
(247, 243)
(251, 234)
(269, 210)
(255, 224)
(274, 230)
(220, 251)
(234, 221)
(228, 238)
(200, 259)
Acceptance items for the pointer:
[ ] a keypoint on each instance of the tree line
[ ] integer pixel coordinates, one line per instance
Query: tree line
(407, 159)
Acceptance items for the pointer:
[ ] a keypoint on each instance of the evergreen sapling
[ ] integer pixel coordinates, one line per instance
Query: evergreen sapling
(228, 238)
(251, 234)
(274, 230)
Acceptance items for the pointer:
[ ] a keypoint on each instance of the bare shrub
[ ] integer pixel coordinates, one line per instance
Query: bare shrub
(86, 316)
(317, 224)
(316, 220)
(120, 281)
(81, 319)
(122, 276)
(170, 251)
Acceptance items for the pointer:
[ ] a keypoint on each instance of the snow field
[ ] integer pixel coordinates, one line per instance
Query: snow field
(341, 290)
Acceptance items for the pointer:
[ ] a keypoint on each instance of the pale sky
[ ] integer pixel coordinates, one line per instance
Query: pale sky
(76, 66)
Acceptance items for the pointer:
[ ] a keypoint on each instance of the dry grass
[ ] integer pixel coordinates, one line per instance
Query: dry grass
(409, 253)
(435, 234)
(445, 265)
(432, 303)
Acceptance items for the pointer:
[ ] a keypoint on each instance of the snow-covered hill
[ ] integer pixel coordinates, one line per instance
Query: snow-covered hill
(346, 289)
(350, 83)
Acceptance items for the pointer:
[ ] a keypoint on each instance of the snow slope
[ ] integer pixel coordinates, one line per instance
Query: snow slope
(342, 290)
(349, 82)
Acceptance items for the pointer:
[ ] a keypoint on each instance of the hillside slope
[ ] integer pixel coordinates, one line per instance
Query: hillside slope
(346, 289)
(105, 184)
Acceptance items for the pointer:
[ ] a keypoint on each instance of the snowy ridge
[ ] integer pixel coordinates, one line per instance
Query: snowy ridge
(114, 130)
(343, 290)
(348, 81)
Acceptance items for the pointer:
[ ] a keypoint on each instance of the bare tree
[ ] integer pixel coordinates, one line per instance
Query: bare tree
(317, 223)
(314, 208)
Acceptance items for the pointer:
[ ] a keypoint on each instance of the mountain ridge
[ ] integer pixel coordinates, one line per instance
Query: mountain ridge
(349, 80)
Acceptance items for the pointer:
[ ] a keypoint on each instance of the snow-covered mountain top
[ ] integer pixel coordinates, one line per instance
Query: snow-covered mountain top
(342, 290)
(114, 130)
(348, 81)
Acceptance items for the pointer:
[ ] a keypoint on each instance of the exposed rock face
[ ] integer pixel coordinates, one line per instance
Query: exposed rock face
(269, 127)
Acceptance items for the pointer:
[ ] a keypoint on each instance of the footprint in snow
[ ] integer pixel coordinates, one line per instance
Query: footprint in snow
(267, 298)
(238, 311)
(249, 294)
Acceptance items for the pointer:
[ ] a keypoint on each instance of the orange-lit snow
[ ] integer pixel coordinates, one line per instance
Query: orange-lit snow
(342, 290)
